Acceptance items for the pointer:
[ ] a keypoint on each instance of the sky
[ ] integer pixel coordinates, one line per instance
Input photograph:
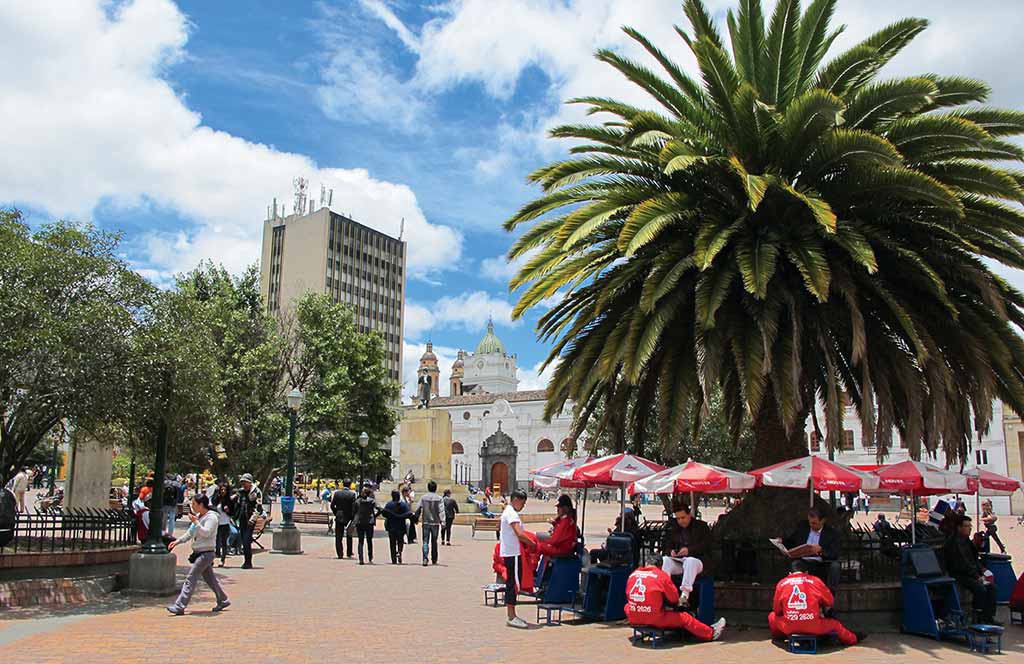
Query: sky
(178, 123)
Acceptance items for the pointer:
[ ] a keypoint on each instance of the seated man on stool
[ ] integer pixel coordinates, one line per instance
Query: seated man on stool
(800, 604)
(689, 541)
(815, 549)
(964, 565)
(650, 596)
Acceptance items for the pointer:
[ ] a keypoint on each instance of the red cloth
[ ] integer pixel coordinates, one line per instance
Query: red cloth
(799, 601)
(1017, 595)
(140, 526)
(529, 555)
(648, 591)
(563, 539)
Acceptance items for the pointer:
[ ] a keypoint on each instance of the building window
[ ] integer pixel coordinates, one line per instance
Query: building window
(814, 441)
(847, 443)
(465, 415)
(457, 448)
(981, 457)
(486, 413)
(545, 445)
(568, 446)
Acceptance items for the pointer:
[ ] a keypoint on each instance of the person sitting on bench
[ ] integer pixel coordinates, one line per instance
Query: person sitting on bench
(964, 565)
(800, 604)
(814, 546)
(651, 597)
(689, 539)
(562, 539)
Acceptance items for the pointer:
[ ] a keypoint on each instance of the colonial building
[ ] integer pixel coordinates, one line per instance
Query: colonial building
(498, 432)
(991, 452)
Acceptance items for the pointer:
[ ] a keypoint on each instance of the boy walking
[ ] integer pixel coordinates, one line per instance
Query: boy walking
(512, 537)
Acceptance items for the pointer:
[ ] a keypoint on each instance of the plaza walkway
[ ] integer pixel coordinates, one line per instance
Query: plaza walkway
(315, 608)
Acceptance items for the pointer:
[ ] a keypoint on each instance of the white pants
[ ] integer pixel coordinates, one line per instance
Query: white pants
(688, 567)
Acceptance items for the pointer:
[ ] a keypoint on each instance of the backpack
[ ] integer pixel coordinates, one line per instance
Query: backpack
(170, 497)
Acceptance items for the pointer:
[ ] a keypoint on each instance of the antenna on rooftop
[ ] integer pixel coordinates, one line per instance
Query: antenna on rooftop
(330, 197)
(401, 229)
(300, 184)
(323, 195)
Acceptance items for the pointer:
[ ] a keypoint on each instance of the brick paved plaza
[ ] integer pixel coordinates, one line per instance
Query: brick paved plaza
(315, 608)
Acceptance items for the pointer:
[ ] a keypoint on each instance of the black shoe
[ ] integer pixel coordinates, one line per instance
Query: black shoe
(360, 562)
(246, 565)
(860, 636)
(424, 563)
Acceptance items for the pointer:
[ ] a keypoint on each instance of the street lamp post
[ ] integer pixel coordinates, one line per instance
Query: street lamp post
(364, 440)
(287, 538)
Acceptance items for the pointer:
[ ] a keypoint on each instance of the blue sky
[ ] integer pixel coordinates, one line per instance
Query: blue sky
(178, 122)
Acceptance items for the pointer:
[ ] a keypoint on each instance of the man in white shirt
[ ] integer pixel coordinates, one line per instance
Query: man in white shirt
(511, 537)
(19, 486)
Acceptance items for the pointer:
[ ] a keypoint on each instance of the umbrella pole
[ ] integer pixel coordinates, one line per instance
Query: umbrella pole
(810, 486)
(583, 520)
(913, 520)
(622, 508)
(693, 505)
(977, 510)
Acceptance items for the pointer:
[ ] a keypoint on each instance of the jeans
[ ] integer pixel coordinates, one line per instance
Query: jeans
(341, 530)
(430, 533)
(170, 515)
(223, 532)
(446, 531)
(365, 532)
(396, 540)
(202, 567)
(245, 534)
(826, 570)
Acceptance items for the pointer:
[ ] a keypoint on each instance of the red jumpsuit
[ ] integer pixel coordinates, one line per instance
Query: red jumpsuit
(799, 600)
(648, 591)
(563, 539)
(529, 558)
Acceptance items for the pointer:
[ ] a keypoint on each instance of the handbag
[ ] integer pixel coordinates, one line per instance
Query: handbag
(193, 557)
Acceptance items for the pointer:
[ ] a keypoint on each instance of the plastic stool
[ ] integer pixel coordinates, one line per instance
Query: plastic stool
(656, 635)
(552, 613)
(494, 594)
(985, 638)
(803, 644)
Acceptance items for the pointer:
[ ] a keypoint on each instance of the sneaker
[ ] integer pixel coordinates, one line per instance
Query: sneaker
(424, 563)
(717, 629)
(517, 622)
(175, 611)
(684, 600)
(221, 606)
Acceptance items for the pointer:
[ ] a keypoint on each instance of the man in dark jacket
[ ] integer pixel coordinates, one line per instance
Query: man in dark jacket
(451, 508)
(814, 548)
(688, 546)
(248, 502)
(964, 565)
(396, 512)
(343, 505)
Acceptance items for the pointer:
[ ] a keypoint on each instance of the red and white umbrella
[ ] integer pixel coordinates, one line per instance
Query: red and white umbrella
(617, 469)
(815, 473)
(993, 484)
(917, 478)
(560, 473)
(693, 477)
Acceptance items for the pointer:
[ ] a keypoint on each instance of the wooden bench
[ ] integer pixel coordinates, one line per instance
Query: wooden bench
(485, 525)
(319, 518)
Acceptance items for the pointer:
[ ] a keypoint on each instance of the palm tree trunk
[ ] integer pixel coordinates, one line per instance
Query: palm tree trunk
(771, 442)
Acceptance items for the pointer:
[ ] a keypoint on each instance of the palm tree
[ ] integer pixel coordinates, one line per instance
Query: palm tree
(786, 231)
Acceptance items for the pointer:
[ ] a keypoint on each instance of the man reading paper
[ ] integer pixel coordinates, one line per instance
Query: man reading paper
(814, 549)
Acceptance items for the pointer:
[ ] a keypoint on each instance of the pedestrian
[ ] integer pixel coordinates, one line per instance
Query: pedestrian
(171, 499)
(248, 504)
(203, 534)
(325, 499)
(343, 504)
(451, 508)
(432, 513)
(366, 519)
(511, 539)
(988, 519)
(222, 506)
(395, 514)
(19, 485)
(409, 496)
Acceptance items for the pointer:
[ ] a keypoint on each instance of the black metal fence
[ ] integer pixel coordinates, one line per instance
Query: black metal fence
(55, 531)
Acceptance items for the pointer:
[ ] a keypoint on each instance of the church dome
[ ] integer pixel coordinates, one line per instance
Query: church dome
(490, 344)
(459, 364)
(429, 354)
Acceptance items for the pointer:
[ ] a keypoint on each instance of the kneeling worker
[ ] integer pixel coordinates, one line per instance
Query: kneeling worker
(801, 600)
(651, 597)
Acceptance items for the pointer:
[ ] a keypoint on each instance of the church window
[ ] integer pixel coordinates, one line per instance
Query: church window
(545, 445)
(486, 413)
(457, 448)
(465, 415)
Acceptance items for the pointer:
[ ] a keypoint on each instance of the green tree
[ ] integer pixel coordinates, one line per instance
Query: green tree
(784, 228)
(68, 309)
(343, 376)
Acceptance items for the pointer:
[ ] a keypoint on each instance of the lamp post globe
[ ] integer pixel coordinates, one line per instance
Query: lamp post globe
(364, 441)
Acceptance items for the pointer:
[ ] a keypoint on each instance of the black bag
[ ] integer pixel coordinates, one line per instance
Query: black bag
(170, 496)
(620, 550)
(193, 557)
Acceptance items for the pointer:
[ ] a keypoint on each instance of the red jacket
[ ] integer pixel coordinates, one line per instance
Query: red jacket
(648, 591)
(563, 539)
(528, 560)
(801, 598)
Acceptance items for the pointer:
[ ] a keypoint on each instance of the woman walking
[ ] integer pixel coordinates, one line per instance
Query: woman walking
(366, 519)
(203, 533)
(222, 505)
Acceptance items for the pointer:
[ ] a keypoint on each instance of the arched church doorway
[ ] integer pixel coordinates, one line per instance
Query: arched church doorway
(499, 476)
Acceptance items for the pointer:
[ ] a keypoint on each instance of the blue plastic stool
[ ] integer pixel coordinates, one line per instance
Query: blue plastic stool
(552, 613)
(985, 638)
(656, 635)
(803, 644)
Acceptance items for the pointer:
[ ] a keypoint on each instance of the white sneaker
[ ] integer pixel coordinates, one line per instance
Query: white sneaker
(717, 629)
(517, 622)
(684, 599)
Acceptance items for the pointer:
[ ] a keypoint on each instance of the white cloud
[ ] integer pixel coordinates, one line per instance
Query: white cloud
(500, 268)
(534, 378)
(381, 11)
(358, 85)
(467, 311)
(89, 118)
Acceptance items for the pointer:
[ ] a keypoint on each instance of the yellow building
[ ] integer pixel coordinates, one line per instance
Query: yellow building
(1013, 430)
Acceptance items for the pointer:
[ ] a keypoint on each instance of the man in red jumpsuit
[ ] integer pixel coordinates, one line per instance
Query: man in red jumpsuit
(800, 601)
(649, 591)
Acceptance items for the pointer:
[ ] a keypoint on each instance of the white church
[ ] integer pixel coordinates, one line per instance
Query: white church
(498, 432)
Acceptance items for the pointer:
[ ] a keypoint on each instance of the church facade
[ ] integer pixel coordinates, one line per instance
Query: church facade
(498, 431)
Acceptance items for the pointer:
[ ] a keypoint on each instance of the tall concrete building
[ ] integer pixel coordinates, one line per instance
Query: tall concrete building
(326, 252)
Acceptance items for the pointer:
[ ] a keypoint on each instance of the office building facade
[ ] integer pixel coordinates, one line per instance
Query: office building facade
(326, 252)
